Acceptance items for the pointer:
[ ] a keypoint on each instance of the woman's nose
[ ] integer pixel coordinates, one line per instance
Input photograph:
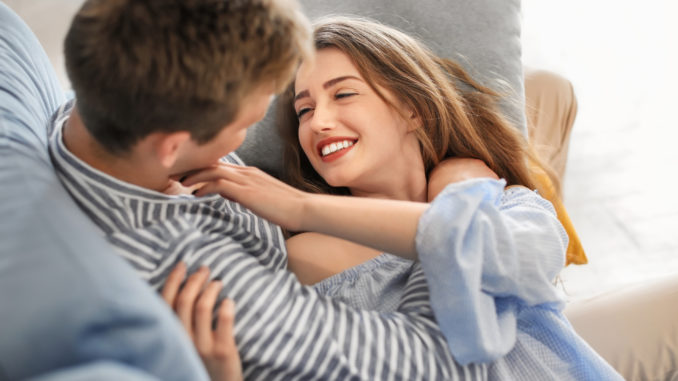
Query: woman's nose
(323, 119)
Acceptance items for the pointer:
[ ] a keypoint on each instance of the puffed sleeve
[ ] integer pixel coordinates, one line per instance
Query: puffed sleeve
(487, 252)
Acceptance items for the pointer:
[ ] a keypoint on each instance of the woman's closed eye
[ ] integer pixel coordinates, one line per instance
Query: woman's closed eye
(303, 111)
(344, 95)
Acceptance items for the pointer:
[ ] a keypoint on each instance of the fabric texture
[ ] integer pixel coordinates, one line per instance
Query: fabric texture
(490, 256)
(634, 328)
(67, 300)
(376, 284)
(282, 328)
(482, 35)
(99, 371)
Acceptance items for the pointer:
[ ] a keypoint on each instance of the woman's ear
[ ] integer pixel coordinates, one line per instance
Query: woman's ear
(411, 116)
(168, 146)
(414, 121)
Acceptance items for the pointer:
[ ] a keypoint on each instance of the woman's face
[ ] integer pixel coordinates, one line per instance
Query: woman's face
(349, 134)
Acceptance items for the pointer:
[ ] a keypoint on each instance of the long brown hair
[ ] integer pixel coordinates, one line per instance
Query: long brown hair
(459, 117)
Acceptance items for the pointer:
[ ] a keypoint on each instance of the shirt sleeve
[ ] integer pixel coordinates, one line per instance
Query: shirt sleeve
(486, 253)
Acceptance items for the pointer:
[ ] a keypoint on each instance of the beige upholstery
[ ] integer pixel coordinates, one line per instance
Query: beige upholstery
(635, 328)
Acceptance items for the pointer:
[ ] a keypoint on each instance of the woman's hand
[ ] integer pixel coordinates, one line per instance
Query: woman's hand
(456, 169)
(194, 304)
(174, 187)
(265, 195)
(386, 225)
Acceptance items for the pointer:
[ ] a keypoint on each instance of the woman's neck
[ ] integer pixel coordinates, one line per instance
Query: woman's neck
(394, 186)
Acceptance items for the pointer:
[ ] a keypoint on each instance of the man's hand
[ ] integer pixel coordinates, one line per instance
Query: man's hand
(194, 304)
(456, 169)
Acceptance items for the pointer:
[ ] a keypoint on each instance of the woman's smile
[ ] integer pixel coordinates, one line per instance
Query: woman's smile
(331, 149)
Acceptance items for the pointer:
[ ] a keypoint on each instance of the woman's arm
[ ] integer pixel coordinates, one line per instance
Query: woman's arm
(339, 254)
(487, 254)
(483, 256)
(313, 257)
(385, 225)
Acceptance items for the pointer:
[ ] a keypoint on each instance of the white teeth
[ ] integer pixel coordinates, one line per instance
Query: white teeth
(336, 146)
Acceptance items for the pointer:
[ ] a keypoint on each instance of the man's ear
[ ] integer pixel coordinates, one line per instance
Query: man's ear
(168, 146)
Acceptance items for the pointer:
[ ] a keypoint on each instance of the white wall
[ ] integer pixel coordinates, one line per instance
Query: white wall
(621, 55)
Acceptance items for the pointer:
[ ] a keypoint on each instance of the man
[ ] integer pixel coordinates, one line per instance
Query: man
(165, 88)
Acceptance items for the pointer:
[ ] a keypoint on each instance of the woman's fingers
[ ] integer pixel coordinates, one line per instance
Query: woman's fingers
(225, 348)
(172, 284)
(223, 362)
(263, 194)
(203, 317)
(224, 188)
(187, 297)
(194, 305)
(215, 172)
(225, 339)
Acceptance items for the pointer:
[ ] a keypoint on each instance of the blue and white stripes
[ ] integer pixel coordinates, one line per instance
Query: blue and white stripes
(284, 330)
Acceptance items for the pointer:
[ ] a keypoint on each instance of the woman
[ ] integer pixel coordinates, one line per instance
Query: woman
(380, 117)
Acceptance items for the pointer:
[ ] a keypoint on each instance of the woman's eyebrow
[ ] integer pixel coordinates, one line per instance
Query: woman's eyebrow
(326, 85)
(334, 81)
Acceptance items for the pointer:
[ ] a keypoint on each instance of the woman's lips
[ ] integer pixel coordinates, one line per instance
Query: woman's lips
(331, 149)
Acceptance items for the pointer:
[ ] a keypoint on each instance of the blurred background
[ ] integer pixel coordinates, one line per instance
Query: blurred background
(620, 181)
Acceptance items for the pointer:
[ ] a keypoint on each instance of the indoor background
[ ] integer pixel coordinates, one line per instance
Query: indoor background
(620, 182)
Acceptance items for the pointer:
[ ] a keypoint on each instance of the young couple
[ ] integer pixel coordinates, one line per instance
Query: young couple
(165, 90)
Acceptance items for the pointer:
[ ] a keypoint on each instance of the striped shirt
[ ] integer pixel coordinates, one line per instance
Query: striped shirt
(284, 330)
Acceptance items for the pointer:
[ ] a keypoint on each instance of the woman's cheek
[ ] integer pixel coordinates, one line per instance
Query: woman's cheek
(305, 142)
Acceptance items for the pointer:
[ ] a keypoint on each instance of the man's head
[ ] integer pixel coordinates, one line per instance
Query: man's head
(140, 67)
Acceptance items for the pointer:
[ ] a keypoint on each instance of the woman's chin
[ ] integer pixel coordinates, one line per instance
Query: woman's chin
(336, 181)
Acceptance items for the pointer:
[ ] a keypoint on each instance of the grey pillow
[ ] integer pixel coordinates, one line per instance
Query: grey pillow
(482, 35)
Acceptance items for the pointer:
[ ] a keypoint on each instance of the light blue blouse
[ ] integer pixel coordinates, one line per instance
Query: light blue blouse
(490, 255)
